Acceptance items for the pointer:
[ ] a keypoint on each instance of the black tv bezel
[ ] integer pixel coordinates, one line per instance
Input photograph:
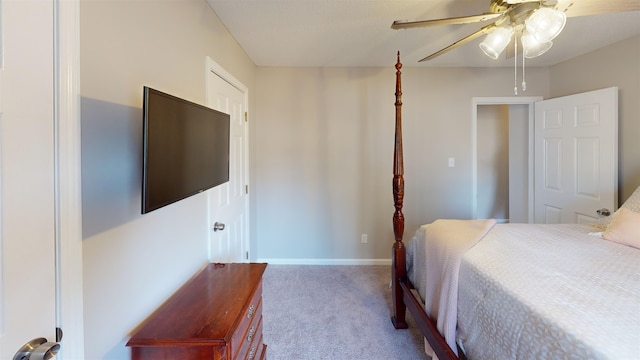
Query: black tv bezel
(146, 208)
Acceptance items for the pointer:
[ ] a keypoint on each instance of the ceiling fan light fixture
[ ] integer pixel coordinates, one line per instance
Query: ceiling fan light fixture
(496, 41)
(545, 24)
(531, 47)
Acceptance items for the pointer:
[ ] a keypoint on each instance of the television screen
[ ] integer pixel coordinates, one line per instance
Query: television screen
(186, 149)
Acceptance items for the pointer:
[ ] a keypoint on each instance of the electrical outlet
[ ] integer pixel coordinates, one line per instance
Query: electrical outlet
(363, 238)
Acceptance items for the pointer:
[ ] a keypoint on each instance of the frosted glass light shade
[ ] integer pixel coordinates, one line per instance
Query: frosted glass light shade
(496, 41)
(545, 24)
(532, 47)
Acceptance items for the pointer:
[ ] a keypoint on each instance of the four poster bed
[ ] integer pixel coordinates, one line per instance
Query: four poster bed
(517, 291)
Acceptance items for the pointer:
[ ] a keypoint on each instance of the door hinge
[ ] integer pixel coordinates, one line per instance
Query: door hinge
(247, 255)
(246, 189)
(245, 116)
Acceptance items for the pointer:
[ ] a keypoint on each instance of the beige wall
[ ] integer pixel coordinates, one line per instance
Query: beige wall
(133, 262)
(324, 149)
(518, 161)
(615, 65)
(493, 162)
(324, 140)
(321, 151)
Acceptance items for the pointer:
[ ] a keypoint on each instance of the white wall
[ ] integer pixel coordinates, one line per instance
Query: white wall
(133, 262)
(324, 149)
(615, 65)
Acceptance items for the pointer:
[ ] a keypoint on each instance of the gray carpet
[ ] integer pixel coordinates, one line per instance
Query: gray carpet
(333, 312)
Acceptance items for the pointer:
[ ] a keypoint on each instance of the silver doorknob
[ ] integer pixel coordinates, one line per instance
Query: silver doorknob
(218, 226)
(37, 349)
(603, 212)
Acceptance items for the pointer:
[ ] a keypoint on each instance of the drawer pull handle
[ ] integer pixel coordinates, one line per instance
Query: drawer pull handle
(252, 309)
(252, 332)
(252, 353)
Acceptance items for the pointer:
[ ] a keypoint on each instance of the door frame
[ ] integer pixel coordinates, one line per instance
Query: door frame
(68, 186)
(213, 67)
(510, 100)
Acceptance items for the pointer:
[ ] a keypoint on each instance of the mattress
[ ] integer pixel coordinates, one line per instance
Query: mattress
(544, 292)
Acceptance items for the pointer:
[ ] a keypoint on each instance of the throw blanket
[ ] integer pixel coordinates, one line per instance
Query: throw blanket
(445, 243)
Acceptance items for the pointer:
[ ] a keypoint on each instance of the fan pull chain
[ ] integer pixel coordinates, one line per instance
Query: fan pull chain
(524, 83)
(515, 68)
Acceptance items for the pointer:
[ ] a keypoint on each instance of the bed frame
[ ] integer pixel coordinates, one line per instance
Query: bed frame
(403, 297)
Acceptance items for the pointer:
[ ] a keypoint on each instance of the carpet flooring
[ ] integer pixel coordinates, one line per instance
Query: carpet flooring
(334, 312)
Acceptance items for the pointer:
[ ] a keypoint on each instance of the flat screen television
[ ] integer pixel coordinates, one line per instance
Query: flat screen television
(185, 149)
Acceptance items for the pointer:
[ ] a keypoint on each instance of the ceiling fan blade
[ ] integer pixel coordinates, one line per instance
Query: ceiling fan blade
(471, 37)
(399, 24)
(575, 8)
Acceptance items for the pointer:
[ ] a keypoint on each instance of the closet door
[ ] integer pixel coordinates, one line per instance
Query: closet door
(229, 202)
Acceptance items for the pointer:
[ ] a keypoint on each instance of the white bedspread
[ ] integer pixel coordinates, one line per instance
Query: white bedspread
(544, 292)
(445, 243)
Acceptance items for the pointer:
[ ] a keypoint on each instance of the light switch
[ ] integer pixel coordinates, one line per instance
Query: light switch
(452, 162)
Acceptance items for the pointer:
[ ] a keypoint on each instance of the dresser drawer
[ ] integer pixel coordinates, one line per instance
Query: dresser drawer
(249, 325)
(258, 350)
(256, 345)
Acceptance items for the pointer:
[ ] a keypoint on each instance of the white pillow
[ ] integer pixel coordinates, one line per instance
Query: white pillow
(633, 202)
(624, 228)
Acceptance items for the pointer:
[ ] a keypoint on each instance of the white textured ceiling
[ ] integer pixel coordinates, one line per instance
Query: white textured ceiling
(354, 33)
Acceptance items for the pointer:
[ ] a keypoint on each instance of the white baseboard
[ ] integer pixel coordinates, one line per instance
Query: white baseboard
(326, 261)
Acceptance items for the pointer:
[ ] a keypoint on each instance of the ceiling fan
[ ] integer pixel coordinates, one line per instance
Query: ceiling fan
(533, 23)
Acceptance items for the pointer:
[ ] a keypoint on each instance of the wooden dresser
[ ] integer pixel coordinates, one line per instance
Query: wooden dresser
(215, 315)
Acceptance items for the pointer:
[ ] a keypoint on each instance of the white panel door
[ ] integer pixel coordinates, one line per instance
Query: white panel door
(229, 202)
(576, 157)
(27, 225)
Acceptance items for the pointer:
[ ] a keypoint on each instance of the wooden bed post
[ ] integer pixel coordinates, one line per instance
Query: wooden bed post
(398, 265)
(402, 297)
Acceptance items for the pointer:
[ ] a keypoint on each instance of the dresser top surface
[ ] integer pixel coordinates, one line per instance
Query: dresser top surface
(205, 310)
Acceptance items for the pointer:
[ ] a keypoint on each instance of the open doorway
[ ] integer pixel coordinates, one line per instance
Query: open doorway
(502, 136)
